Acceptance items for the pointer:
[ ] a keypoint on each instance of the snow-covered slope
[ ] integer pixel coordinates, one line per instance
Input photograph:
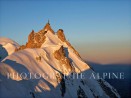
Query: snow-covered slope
(53, 41)
(52, 71)
(7, 47)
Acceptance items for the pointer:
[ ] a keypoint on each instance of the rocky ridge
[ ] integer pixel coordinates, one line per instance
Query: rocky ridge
(48, 67)
(36, 39)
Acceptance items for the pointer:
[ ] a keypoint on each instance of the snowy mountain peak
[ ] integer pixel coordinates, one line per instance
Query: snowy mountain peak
(37, 39)
(48, 27)
(47, 66)
(7, 47)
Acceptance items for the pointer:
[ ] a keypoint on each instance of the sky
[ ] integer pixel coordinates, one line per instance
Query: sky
(100, 30)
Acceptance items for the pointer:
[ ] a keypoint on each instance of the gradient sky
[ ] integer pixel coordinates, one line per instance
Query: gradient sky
(100, 30)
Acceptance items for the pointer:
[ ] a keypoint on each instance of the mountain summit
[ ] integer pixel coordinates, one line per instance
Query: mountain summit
(48, 27)
(36, 39)
(47, 66)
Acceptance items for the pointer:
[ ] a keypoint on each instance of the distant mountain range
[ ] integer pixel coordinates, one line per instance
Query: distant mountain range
(123, 86)
(47, 66)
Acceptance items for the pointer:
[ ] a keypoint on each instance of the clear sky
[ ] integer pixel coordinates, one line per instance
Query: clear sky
(99, 29)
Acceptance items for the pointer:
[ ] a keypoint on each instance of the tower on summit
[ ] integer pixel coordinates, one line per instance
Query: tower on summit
(48, 27)
(48, 22)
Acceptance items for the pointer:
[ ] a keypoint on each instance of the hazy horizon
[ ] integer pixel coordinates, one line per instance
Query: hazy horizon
(99, 30)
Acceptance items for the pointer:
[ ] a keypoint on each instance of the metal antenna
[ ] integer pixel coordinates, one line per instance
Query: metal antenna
(48, 21)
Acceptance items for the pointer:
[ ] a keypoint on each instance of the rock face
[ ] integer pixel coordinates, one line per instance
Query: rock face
(48, 27)
(61, 35)
(35, 40)
(60, 55)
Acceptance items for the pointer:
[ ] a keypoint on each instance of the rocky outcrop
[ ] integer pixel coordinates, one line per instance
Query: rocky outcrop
(48, 27)
(61, 56)
(35, 40)
(61, 35)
